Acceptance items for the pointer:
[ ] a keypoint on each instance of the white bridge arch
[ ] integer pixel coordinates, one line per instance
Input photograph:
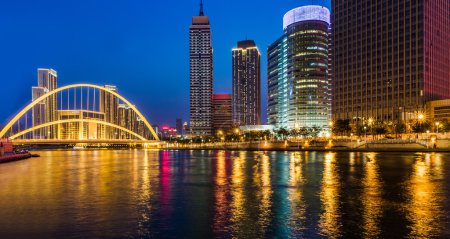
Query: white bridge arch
(25, 110)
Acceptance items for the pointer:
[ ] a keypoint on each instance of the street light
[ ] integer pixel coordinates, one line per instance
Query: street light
(421, 117)
(371, 126)
(365, 132)
(437, 127)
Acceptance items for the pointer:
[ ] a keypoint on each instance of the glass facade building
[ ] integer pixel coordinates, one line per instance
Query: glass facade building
(298, 80)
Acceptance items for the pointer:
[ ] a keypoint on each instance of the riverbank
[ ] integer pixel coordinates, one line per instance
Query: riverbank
(327, 146)
(14, 157)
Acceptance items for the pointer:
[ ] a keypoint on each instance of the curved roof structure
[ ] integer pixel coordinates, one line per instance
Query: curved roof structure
(307, 13)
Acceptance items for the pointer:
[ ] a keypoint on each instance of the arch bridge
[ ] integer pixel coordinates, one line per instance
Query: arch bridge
(79, 113)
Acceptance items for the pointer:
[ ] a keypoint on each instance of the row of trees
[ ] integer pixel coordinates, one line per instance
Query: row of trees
(345, 128)
(251, 136)
(339, 128)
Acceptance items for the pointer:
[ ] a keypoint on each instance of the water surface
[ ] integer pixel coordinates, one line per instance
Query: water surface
(221, 194)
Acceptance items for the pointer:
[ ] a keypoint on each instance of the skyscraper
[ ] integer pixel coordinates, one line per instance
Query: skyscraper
(126, 118)
(246, 84)
(222, 112)
(46, 110)
(390, 58)
(179, 126)
(38, 112)
(299, 85)
(201, 74)
(109, 105)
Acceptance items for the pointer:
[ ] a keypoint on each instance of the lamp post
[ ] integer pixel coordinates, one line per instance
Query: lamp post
(365, 132)
(437, 127)
(371, 127)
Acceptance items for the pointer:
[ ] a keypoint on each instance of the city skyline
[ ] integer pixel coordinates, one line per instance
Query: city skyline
(79, 49)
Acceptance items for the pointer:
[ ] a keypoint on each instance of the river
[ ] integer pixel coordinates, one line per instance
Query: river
(222, 194)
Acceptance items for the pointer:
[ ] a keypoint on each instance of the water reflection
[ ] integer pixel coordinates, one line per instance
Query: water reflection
(371, 197)
(220, 194)
(266, 193)
(221, 213)
(297, 205)
(425, 208)
(329, 224)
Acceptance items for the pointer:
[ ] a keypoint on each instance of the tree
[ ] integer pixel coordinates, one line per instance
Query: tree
(341, 127)
(398, 128)
(314, 131)
(445, 126)
(421, 127)
(283, 133)
(380, 129)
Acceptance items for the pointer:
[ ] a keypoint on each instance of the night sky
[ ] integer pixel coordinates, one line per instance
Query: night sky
(139, 45)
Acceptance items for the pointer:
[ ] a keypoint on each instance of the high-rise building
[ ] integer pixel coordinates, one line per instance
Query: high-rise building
(390, 58)
(201, 74)
(179, 126)
(246, 84)
(299, 85)
(222, 112)
(109, 105)
(38, 112)
(126, 118)
(46, 110)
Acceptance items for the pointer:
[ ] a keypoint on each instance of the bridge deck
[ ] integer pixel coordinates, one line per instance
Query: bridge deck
(91, 142)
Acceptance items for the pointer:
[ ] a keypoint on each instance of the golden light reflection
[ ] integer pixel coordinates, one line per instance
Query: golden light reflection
(424, 211)
(220, 195)
(329, 224)
(371, 197)
(298, 206)
(238, 194)
(266, 193)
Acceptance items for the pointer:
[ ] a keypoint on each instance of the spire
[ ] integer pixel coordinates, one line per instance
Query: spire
(201, 8)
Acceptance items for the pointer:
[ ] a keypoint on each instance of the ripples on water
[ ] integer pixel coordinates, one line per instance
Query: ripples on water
(220, 194)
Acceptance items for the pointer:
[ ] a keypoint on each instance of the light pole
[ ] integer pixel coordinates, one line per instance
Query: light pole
(371, 127)
(365, 132)
(437, 127)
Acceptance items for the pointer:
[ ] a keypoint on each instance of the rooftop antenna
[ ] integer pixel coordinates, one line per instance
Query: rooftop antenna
(201, 8)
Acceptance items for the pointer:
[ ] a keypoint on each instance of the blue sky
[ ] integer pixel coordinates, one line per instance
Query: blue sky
(139, 45)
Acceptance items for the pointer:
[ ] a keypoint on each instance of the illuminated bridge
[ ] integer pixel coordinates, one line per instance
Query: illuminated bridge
(79, 114)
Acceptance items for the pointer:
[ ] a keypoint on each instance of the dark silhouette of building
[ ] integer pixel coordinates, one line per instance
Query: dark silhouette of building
(222, 112)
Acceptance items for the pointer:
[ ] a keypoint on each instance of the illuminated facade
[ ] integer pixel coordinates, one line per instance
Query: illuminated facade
(390, 58)
(81, 130)
(46, 110)
(246, 84)
(127, 118)
(201, 75)
(298, 80)
(222, 112)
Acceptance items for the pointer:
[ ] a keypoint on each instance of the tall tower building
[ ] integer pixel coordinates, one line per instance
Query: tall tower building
(201, 74)
(390, 58)
(246, 84)
(299, 85)
(47, 110)
(38, 112)
(109, 105)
